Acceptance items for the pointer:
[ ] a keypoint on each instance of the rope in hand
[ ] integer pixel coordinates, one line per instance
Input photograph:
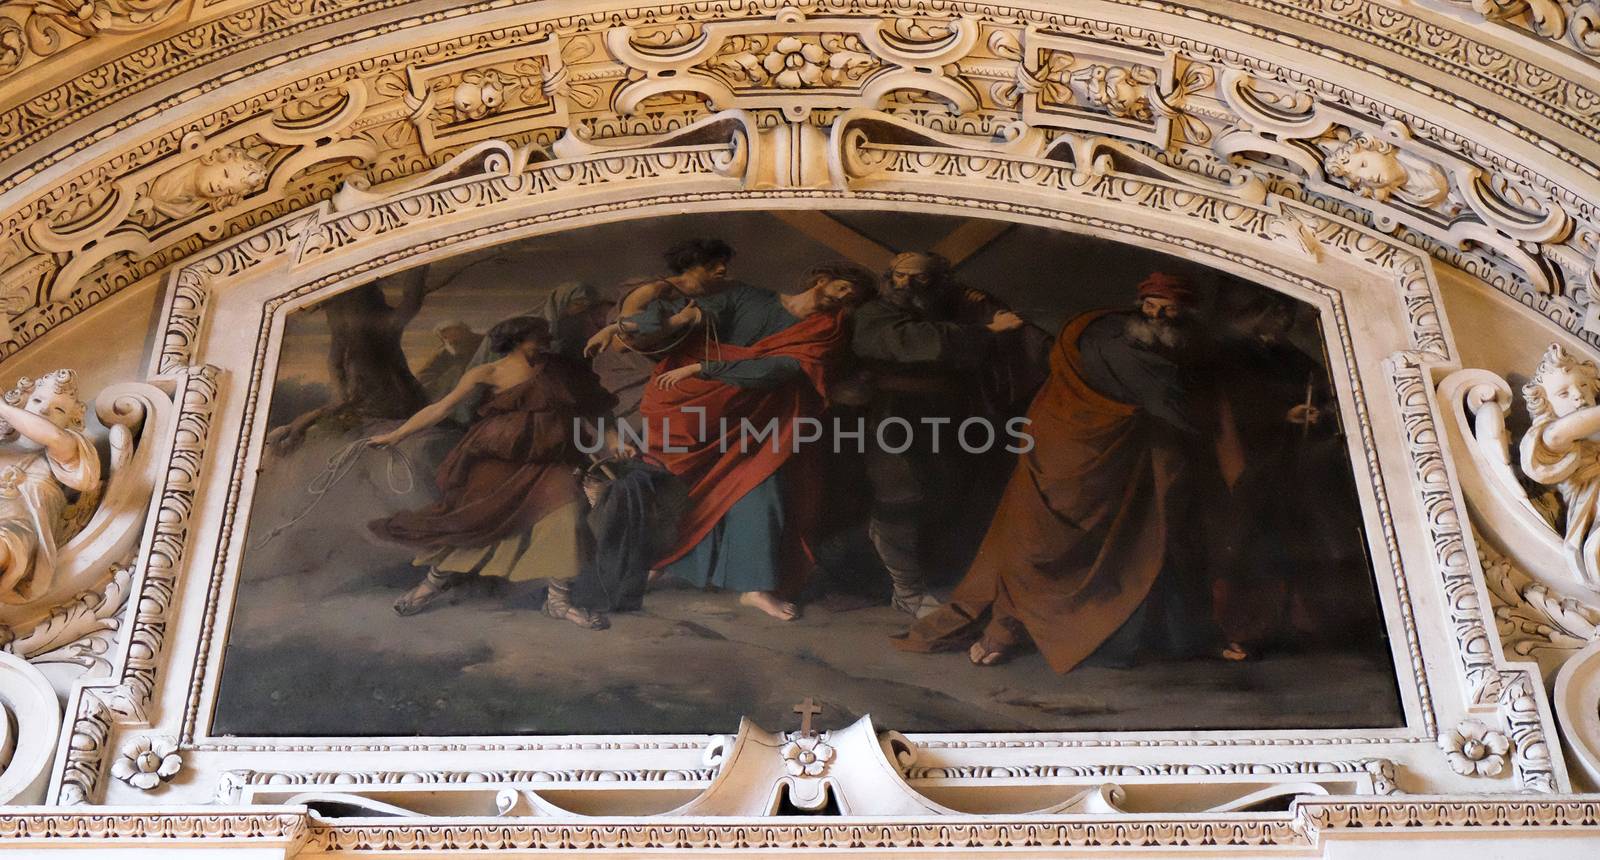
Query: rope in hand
(708, 326)
(398, 472)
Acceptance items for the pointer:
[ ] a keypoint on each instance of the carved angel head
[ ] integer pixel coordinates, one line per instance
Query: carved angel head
(224, 176)
(1561, 385)
(53, 396)
(1370, 166)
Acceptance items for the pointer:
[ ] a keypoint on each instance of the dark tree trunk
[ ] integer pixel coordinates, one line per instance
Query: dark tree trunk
(370, 371)
(372, 379)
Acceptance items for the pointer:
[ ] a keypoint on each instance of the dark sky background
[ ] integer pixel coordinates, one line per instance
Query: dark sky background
(1046, 275)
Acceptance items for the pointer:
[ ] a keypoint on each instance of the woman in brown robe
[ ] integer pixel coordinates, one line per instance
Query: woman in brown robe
(511, 505)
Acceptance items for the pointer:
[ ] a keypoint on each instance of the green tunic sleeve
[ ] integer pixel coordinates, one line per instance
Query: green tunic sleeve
(885, 332)
(766, 372)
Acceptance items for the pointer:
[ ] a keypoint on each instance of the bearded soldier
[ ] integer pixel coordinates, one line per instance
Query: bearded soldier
(925, 345)
(1094, 516)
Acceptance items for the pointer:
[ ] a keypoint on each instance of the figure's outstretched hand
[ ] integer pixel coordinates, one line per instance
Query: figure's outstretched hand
(382, 440)
(690, 316)
(1005, 321)
(600, 341)
(1302, 414)
(674, 378)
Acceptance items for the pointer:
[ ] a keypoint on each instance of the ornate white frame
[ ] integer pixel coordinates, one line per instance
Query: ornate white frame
(1450, 668)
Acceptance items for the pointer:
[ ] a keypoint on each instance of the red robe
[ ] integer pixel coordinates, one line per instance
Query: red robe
(1080, 533)
(718, 478)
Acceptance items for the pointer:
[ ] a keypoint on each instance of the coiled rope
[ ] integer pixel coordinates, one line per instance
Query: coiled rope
(398, 472)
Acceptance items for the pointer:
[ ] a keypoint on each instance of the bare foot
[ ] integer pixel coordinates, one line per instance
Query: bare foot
(985, 653)
(767, 602)
(1236, 653)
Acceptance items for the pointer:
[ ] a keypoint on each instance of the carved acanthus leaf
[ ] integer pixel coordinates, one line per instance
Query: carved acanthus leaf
(1529, 618)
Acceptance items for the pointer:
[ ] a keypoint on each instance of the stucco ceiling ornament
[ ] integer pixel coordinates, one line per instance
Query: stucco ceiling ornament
(148, 761)
(59, 591)
(1104, 171)
(944, 71)
(51, 26)
(13, 46)
(1474, 749)
(218, 180)
(798, 62)
(1374, 168)
(807, 755)
(470, 98)
(793, 62)
(1533, 621)
(1379, 168)
(1104, 156)
(1555, 546)
(1571, 22)
(80, 632)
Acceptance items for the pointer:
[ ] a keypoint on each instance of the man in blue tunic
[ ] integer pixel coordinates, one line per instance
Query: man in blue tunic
(744, 360)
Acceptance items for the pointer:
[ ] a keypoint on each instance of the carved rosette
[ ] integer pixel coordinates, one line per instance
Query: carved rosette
(807, 755)
(1473, 749)
(147, 762)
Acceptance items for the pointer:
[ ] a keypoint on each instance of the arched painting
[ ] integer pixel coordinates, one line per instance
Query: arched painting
(656, 475)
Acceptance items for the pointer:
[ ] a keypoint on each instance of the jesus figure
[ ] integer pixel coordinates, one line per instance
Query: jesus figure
(764, 359)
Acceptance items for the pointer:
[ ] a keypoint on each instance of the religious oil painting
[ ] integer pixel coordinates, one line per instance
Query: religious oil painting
(965, 475)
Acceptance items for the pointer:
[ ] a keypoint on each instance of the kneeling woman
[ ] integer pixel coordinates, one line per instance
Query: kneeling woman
(510, 503)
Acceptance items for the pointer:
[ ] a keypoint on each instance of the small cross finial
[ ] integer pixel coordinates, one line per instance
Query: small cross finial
(807, 710)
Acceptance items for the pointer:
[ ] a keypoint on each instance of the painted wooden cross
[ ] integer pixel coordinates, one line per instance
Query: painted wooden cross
(962, 243)
(807, 710)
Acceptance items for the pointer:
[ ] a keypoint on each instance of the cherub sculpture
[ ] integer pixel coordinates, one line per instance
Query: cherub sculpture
(1561, 450)
(43, 454)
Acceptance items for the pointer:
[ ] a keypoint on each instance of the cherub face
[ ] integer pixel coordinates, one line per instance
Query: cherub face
(1375, 168)
(1567, 392)
(227, 178)
(57, 408)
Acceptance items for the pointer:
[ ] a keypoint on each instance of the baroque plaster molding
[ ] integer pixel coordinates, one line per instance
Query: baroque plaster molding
(328, 234)
(1310, 824)
(1080, 144)
(127, 697)
(1150, 86)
